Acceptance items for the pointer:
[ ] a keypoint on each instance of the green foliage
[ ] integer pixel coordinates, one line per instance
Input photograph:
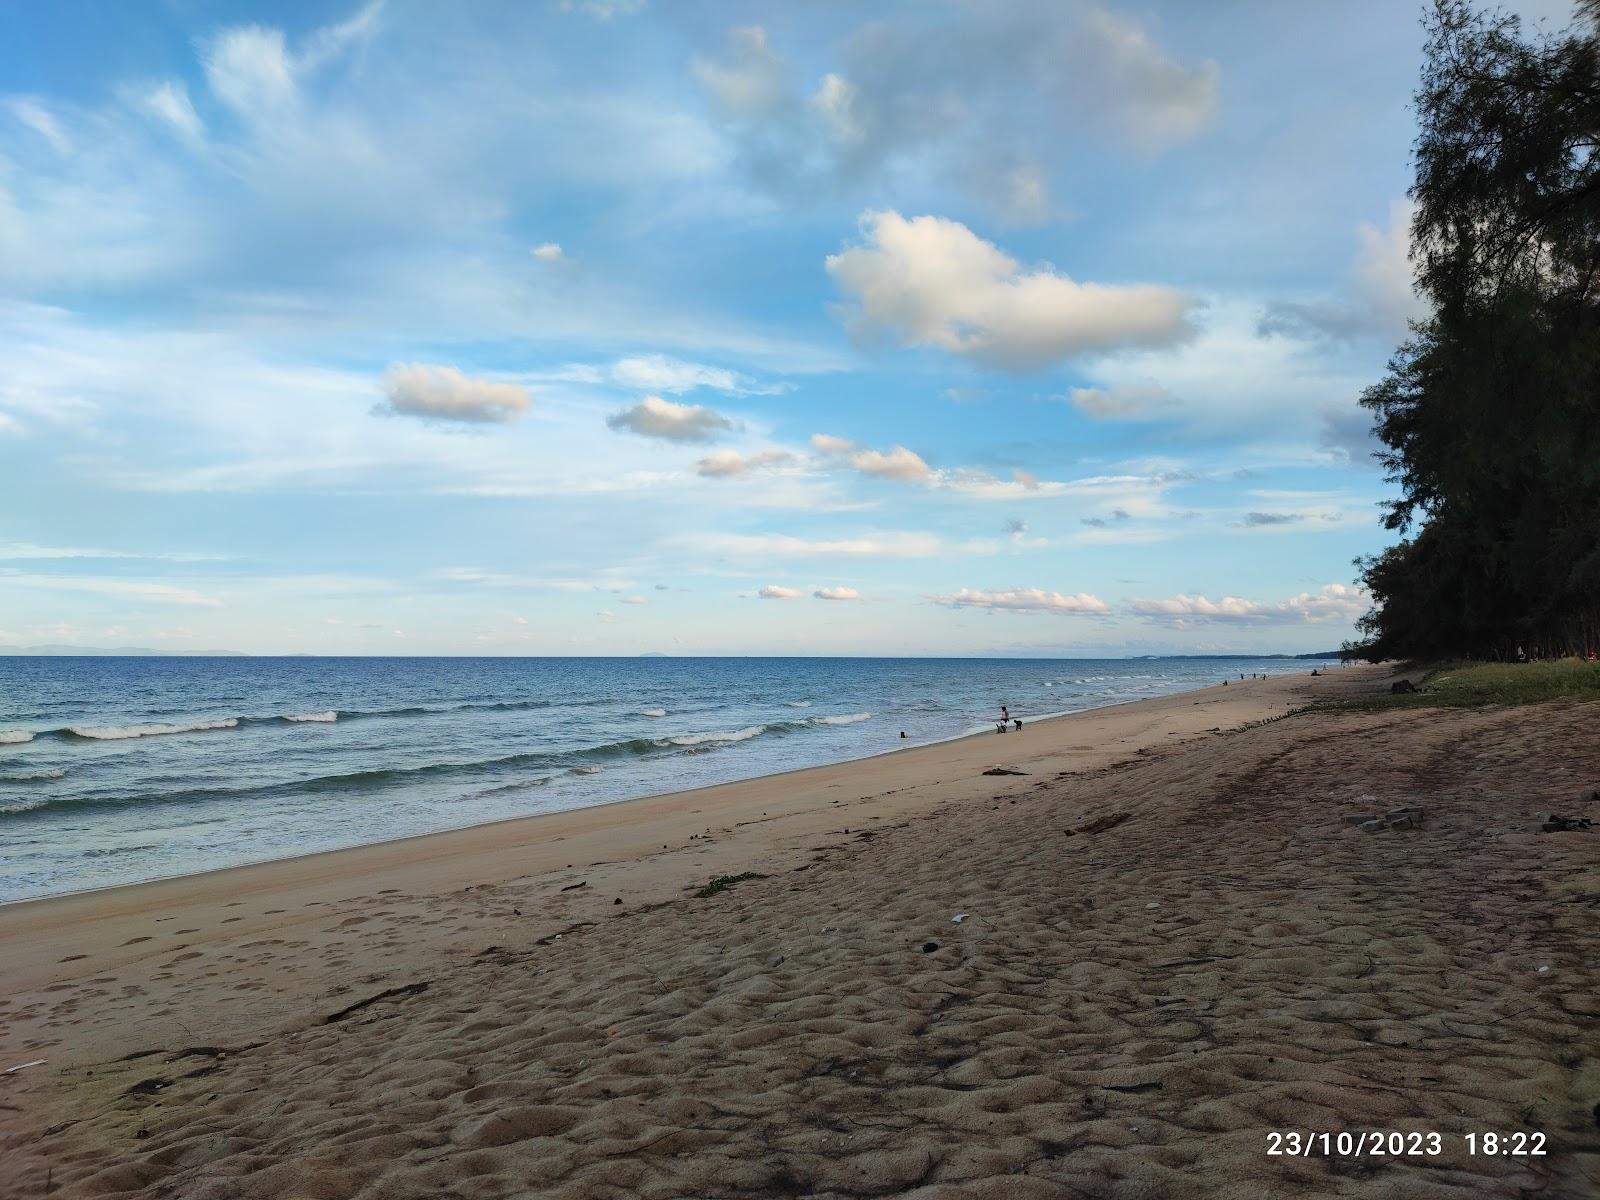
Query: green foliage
(721, 883)
(1491, 411)
(1476, 684)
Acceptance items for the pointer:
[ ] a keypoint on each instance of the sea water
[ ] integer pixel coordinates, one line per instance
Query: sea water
(114, 770)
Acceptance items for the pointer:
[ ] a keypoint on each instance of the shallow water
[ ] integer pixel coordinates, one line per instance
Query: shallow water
(114, 770)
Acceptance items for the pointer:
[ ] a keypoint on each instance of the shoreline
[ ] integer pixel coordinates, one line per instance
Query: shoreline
(1042, 720)
(647, 849)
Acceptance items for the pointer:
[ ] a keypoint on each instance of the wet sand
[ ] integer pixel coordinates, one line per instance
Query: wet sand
(1173, 944)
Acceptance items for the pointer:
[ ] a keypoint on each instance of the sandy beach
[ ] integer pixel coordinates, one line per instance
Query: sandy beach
(1114, 974)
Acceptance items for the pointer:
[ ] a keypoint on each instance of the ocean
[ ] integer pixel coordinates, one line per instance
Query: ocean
(115, 770)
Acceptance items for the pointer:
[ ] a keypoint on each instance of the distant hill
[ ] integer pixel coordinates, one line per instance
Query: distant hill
(116, 652)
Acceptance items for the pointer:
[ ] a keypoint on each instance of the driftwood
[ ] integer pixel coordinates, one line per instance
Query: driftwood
(410, 989)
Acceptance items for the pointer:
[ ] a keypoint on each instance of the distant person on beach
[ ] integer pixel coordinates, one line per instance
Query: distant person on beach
(1005, 719)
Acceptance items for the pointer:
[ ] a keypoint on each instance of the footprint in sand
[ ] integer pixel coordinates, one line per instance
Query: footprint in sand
(135, 941)
(72, 958)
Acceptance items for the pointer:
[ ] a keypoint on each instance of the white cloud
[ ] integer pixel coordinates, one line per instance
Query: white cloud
(1385, 276)
(1027, 600)
(730, 464)
(548, 252)
(1133, 402)
(658, 418)
(1154, 99)
(1334, 603)
(169, 101)
(134, 589)
(782, 545)
(445, 394)
(602, 10)
(836, 593)
(658, 373)
(634, 600)
(899, 463)
(928, 281)
(752, 82)
(1378, 298)
(42, 121)
(836, 101)
(992, 97)
(826, 443)
(775, 591)
(249, 69)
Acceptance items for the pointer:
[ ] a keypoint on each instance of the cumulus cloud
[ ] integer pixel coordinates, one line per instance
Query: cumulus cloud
(928, 281)
(836, 593)
(658, 418)
(826, 443)
(444, 394)
(1134, 402)
(549, 252)
(1334, 603)
(775, 591)
(1026, 600)
(730, 464)
(898, 463)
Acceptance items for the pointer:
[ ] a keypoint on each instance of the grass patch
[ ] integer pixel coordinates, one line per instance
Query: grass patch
(1478, 684)
(721, 883)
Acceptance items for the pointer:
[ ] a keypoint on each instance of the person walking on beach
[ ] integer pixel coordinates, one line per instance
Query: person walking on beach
(1005, 718)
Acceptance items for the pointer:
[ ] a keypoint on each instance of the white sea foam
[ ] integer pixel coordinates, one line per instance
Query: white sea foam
(587, 770)
(22, 806)
(330, 715)
(738, 735)
(847, 719)
(33, 776)
(112, 733)
(14, 737)
(652, 712)
(798, 703)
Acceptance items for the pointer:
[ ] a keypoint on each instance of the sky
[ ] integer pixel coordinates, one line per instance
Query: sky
(628, 326)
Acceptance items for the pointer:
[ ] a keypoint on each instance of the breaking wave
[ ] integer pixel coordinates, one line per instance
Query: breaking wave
(737, 735)
(117, 733)
(14, 737)
(847, 719)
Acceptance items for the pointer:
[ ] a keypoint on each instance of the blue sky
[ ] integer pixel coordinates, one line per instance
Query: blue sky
(617, 326)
